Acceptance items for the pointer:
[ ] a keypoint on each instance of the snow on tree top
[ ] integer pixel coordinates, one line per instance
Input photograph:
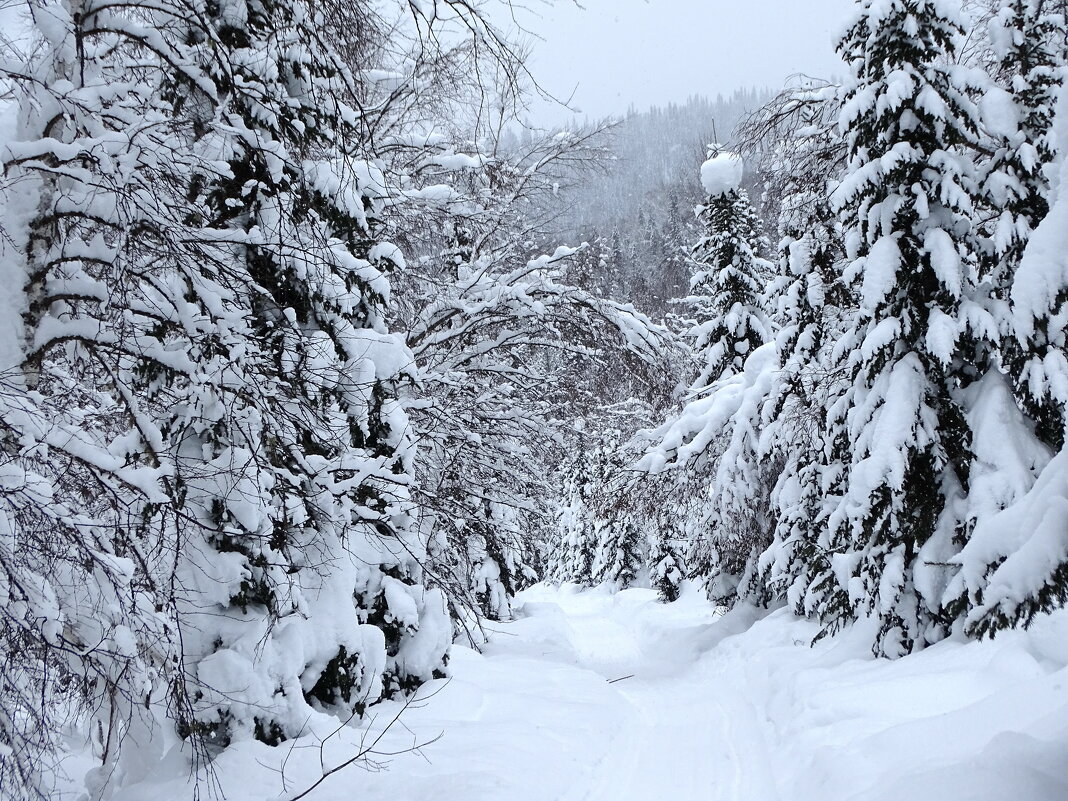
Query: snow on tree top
(722, 173)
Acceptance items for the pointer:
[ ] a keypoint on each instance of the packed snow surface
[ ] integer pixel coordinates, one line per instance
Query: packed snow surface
(594, 696)
(722, 173)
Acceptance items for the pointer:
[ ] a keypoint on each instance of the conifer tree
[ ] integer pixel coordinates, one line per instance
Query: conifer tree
(810, 303)
(1014, 181)
(665, 564)
(698, 556)
(728, 275)
(1014, 566)
(899, 431)
(578, 542)
(1016, 186)
(620, 542)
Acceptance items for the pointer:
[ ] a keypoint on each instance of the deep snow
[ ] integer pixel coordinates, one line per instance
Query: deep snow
(594, 696)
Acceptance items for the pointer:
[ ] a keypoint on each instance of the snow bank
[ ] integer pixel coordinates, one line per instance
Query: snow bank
(722, 173)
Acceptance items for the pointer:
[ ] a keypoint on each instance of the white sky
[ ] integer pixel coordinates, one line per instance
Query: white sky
(651, 52)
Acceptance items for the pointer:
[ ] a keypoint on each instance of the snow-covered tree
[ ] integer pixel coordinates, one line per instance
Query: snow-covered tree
(1018, 115)
(293, 464)
(577, 549)
(729, 274)
(1015, 565)
(665, 564)
(1016, 185)
(718, 431)
(899, 430)
(214, 466)
(93, 216)
(800, 154)
(507, 348)
(620, 533)
(718, 442)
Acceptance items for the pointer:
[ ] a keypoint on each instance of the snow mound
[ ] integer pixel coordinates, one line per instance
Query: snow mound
(722, 173)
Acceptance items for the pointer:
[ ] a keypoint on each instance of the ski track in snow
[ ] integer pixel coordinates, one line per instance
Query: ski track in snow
(715, 754)
(593, 696)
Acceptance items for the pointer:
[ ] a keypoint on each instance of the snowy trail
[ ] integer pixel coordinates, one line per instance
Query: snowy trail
(732, 708)
(700, 738)
(684, 739)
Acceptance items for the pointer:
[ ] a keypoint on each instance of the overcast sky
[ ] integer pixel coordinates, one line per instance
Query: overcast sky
(651, 52)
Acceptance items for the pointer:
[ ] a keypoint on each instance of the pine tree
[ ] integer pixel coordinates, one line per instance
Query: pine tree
(495, 563)
(1013, 180)
(699, 559)
(899, 431)
(797, 500)
(675, 235)
(1014, 566)
(739, 516)
(810, 302)
(728, 277)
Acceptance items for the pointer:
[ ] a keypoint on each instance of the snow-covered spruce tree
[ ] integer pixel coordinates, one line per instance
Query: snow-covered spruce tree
(1019, 119)
(802, 153)
(727, 292)
(1015, 564)
(798, 407)
(481, 558)
(740, 517)
(1015, 182)
(715, 454)
(578, 540)
(620, 547)
(729, 274)
(620, 535)
(899, 430)
(665, 564)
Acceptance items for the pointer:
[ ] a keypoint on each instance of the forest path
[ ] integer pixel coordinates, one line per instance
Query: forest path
(693, 731)
(595, 696)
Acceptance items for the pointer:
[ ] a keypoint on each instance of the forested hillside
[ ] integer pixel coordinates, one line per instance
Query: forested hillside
(321, 371)
(636, 207)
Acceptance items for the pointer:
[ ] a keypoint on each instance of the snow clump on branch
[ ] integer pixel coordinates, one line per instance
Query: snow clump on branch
(722, 173)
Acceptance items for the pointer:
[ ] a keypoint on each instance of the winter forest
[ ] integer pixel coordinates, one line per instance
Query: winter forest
(363, 437)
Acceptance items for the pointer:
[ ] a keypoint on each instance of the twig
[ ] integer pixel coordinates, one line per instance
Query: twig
(370, 749)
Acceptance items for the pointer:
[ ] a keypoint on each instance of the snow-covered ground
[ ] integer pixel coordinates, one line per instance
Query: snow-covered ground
(591, 696)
